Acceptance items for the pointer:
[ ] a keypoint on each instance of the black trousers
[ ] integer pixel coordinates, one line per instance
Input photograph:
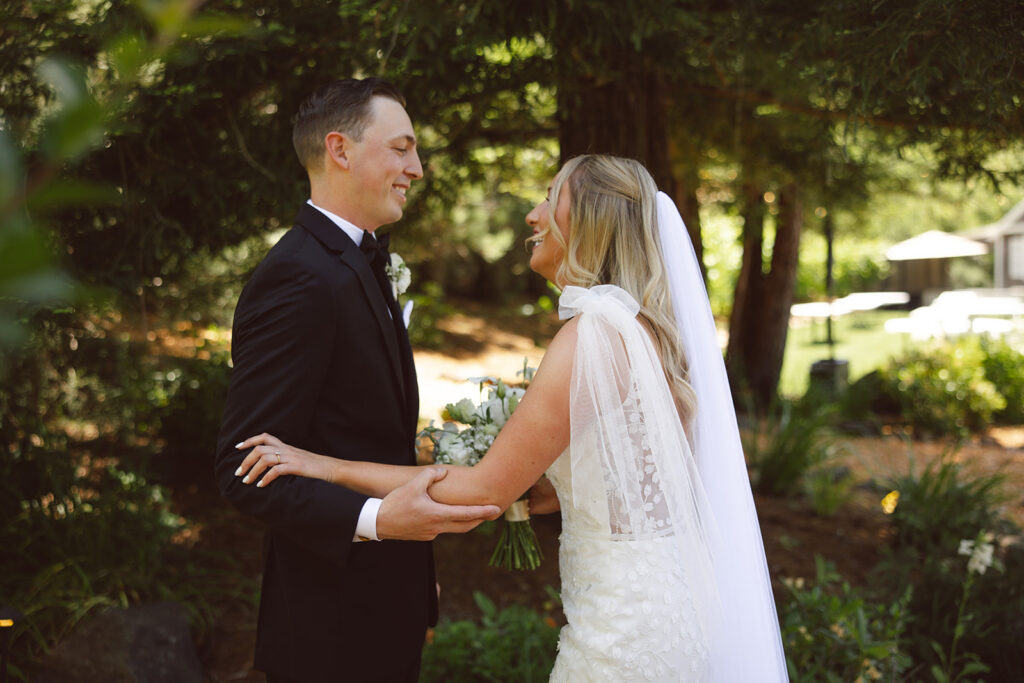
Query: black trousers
(411, 677)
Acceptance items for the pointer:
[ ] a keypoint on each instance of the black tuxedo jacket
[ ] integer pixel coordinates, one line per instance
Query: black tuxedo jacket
(319, 363)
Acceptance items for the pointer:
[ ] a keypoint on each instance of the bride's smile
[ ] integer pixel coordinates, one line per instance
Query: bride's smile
(546, 254)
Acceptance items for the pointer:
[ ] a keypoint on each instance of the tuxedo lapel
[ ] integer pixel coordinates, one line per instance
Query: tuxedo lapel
(412, 394)
(335, 240)
(412, 398)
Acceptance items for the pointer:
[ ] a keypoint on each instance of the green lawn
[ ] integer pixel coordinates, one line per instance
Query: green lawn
(860, 338)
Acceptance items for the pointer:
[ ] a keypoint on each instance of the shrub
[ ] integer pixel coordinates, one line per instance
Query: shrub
(938, 507)
(190, 418)
(832, 633)
(515, 644)
(941, 504)
(828, 489)
(76, 537)
(942, 389)
(793, 439)
(998, 617)
(84, 525)
(428, 308)
(981, 625)
(867, 398)
(1004, 367)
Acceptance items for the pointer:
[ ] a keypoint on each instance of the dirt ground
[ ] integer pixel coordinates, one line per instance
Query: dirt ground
(853, 539)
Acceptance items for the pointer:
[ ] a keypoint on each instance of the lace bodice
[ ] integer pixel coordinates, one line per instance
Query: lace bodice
(636, 582)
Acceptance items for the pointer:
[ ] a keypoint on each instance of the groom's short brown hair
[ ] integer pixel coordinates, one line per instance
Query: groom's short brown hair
(342, 106)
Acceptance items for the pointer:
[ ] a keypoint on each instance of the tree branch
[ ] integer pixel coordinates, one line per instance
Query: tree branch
(761, 97)
(245, 150)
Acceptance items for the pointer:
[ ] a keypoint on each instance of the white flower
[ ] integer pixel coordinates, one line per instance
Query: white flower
(482, 382)
(399, 274)
(482, 441)
(462, 411)
(468, 446)
(495, 411)
(981, 558)
(453, 450)
(979, 551)
(526, 373)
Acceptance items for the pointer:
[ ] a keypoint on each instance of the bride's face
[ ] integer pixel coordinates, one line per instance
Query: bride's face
(547, 253)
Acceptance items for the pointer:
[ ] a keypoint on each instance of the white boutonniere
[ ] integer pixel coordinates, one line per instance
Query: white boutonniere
(399, 274)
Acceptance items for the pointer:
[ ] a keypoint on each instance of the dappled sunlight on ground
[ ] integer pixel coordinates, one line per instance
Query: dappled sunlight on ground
(475, 347)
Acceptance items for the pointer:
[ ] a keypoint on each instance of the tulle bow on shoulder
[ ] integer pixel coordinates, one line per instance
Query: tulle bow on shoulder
(576, 300)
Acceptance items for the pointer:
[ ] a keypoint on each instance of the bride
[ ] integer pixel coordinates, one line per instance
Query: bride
(629, 415)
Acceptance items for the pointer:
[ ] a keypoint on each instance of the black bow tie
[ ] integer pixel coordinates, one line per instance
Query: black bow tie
(376, 250)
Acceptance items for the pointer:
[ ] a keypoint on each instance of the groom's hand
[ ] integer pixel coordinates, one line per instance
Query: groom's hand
(543, 498)
(409, 514)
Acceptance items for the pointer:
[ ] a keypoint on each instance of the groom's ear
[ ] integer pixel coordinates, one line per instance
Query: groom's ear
(337, 146)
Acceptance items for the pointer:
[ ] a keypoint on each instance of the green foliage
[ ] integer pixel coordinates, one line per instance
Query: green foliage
(866, 399)
(828, 489)
(429, 307)
(1004, 367)
(941, 504)
(831, 632)
(938, 507)
(858, 266)
(62, 108)
(892, 65)
(996, 628)
(791, 440)
(85, 525)
(190, 419)
(78, 533)
(981, 612)
(945, 388)
(954, 665)
(942, 388)
(513, 645)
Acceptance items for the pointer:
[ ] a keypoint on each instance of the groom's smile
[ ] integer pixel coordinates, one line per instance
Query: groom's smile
(383, 165)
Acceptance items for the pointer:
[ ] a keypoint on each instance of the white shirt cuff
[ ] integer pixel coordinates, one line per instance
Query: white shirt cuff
(366, 527)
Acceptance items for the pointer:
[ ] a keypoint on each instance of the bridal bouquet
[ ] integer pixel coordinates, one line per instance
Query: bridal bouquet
(517, 547)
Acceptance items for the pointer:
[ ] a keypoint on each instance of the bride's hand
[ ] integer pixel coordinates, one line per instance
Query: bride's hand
(271, 458)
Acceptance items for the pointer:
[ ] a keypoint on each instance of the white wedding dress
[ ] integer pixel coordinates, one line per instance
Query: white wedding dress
(638, 589)
(663, 568)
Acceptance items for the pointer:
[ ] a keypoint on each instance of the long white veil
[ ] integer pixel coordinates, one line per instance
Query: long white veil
(750, 647)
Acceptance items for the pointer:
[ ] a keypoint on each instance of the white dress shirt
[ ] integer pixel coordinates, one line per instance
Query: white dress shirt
(366, 527)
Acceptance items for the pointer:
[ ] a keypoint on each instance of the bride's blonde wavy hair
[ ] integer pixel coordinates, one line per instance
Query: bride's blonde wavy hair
(613, 239)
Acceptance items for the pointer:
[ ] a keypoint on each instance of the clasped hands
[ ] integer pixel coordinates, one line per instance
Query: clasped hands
(407, 513)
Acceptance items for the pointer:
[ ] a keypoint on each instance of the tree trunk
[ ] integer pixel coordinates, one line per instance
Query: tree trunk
(749, 287)
(777, 297)
(612, 99)
(625, 118)
(759, 323)
(689, 209)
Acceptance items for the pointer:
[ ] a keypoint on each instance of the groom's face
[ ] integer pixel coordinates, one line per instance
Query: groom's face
(382, 166)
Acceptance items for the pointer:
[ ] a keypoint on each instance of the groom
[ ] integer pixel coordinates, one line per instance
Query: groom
(322, 360)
